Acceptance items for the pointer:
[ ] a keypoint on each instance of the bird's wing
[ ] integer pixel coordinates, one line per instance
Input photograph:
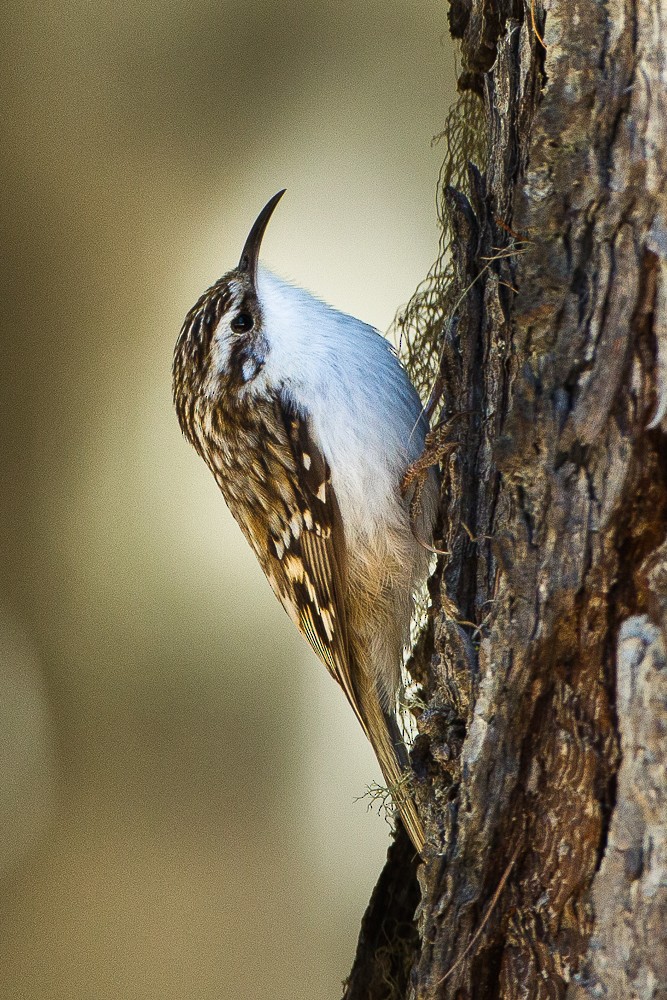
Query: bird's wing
(305, 560)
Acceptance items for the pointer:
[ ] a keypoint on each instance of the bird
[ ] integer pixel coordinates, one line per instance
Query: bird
(308, 421)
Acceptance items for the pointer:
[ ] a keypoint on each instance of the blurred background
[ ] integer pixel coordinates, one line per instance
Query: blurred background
(178, 775)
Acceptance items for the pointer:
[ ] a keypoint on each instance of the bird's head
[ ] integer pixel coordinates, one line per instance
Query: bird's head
(222, 346)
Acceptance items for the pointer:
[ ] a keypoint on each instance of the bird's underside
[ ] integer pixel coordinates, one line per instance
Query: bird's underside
(295, 529)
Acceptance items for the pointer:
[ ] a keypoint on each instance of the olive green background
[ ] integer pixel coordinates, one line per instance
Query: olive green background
(177, 773)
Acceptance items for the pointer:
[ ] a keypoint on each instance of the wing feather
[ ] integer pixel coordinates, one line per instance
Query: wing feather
(306, 564)
(294, 525)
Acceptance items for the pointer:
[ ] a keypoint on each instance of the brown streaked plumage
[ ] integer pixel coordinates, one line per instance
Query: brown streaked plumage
(345, 584)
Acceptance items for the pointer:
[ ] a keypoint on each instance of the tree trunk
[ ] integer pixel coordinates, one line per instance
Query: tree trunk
(541, 763)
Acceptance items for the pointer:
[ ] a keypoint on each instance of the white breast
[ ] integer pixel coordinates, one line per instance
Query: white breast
(345, 375)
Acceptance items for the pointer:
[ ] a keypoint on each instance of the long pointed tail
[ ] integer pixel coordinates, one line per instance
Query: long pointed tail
(385, 738)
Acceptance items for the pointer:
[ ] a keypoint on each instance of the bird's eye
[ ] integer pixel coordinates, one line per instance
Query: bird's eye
(242, 322)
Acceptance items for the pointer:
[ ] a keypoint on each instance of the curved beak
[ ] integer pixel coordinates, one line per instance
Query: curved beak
(250, 254)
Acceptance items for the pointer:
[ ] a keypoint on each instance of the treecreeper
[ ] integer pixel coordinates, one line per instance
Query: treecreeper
(308, 421)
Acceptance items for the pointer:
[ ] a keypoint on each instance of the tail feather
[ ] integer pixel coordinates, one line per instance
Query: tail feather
(385, 738)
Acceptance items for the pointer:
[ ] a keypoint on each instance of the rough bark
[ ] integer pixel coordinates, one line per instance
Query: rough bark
(541, 761)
